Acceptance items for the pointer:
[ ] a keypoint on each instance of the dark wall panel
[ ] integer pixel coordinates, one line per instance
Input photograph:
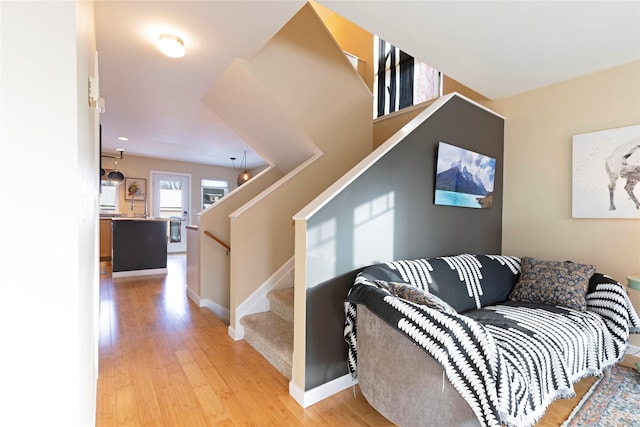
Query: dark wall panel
(404, 179)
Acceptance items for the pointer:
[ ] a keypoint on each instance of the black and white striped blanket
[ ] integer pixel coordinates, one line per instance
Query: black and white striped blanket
(508, 361)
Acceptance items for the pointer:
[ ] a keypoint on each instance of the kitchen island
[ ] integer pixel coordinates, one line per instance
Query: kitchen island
(139, 246)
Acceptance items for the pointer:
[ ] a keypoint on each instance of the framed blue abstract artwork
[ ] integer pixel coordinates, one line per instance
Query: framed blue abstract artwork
(464, 178)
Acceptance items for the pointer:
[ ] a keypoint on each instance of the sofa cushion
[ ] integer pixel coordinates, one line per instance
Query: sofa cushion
(553, 283)
(415, 295)
(464, 281)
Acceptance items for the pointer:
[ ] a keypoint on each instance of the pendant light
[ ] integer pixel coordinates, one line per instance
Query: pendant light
(245, 175)
(115, 176)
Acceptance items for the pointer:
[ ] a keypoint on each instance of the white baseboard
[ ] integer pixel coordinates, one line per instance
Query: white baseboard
(234, 334)
(193, 296)
(633, 349)
(132, 273)
(315, 395)
(258, 302)
(221, 312)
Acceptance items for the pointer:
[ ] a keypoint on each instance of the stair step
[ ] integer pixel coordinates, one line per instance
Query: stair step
(271, 336)
(282, 303)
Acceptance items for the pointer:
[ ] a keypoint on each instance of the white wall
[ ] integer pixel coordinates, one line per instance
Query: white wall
(49, 269)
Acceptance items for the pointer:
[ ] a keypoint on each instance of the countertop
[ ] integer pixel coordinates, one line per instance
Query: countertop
(120, 217)
(149, 218)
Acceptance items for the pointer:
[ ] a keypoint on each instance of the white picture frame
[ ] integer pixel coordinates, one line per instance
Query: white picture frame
(606, 167)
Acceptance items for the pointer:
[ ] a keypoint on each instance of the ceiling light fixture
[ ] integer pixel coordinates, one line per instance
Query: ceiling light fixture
(245, 175)
(171, 45)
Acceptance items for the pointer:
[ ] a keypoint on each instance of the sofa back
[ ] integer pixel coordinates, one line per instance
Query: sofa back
(465, 281)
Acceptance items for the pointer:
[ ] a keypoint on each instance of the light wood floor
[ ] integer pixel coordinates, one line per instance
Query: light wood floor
(166, 362)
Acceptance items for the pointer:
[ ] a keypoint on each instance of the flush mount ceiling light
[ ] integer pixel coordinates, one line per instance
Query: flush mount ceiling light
(171, 45)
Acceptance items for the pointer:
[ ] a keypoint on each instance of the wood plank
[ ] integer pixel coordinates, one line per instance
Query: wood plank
(560, 410)
(166, 362)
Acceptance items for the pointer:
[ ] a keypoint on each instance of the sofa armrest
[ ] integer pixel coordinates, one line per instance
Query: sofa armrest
(393, 374)
(608, 298)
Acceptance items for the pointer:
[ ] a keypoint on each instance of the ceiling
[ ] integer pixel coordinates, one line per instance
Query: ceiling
(498, 49)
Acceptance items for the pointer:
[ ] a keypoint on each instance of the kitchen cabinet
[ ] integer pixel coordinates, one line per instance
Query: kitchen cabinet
(105, 239)
(139, 246)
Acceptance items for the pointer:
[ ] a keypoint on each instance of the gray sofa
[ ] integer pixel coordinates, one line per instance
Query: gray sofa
(481, 339)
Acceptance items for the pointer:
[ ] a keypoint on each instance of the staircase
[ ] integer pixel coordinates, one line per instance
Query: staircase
(271, 332)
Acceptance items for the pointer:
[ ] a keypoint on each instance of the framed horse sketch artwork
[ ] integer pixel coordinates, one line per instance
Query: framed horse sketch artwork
(606, 171)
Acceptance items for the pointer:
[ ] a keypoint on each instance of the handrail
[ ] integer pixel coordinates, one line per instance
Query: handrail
(218, 241)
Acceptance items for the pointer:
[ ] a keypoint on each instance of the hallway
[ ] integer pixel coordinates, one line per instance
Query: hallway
(166, 362)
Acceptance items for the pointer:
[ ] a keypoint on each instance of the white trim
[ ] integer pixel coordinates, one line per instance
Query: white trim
(193, 296)
(220, 312)
(258, 302)
(233, 215)
(132, 273)
(234, 335)
(227, 197)
(315, 395)
(342, 183)
(150, 200)
(420, 106)
(633, 349)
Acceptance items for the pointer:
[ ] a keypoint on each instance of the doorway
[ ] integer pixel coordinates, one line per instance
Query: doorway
(171, 200)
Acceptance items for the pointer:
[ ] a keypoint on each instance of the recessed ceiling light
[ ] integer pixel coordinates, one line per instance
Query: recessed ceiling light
(123, 138)
(171, 45)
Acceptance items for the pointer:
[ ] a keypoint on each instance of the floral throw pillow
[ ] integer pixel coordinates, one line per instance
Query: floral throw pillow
(415, 295)
(553, 283)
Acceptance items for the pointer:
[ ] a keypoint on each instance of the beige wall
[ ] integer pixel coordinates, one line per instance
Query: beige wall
(384, 127)
(538, 172)
(351, 38)
(450, 85)
(141, 167)
(322, 96)
(213, 259)
(332, 113)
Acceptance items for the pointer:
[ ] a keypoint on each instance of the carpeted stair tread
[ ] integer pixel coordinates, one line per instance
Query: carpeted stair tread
(282, 303)
(272, 337)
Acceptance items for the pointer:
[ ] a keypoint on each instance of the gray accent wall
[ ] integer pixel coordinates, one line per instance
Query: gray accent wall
(388, 213)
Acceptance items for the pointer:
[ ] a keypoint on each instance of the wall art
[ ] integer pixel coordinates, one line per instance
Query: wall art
(606, 171)
(135, 188)
(464, 178)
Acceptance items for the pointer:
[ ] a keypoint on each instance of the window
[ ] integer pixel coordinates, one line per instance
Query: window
(109, 197)
(400, 81)
(212, 191)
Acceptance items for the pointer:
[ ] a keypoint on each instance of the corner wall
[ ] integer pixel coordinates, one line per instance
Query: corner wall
(319, 125)
(538, 171)
(383, 210)
(351, 38)
(49, 271)
(214, 262)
